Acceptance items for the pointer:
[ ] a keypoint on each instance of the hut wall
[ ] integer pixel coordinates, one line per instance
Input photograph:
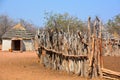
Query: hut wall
(28, 45)
(6, 44)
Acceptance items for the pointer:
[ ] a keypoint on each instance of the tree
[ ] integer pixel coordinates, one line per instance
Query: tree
(64, 22)
(29, 26)
(5, 24)
(113, 25)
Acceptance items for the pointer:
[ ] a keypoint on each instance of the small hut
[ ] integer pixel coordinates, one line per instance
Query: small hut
(18, 39)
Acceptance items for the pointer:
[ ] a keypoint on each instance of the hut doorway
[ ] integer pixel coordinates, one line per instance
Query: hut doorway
(16, 45)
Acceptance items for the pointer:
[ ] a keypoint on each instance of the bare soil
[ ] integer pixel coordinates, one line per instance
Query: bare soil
(26, 66)
(112, 63)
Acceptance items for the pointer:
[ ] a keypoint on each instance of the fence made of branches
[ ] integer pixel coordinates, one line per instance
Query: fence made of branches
(76, 52)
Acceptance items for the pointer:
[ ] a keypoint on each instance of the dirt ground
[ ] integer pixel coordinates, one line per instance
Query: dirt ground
(112, 63)
(26, 66)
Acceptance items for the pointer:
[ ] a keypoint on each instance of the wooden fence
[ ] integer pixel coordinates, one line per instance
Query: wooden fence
(57, 60)
(79, 53)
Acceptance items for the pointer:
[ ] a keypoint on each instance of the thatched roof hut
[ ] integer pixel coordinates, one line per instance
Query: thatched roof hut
(17, 38)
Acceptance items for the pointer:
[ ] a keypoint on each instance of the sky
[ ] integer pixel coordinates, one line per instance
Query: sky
(33, 10)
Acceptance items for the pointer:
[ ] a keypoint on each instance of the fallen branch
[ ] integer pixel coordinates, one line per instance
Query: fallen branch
(110, 78)
(110, 74)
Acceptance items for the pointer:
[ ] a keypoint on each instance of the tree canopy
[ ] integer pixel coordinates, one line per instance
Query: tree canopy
(113, 25)
(64, 22)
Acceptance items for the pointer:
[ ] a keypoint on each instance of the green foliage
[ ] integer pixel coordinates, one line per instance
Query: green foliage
(64, 22)
(113, 26)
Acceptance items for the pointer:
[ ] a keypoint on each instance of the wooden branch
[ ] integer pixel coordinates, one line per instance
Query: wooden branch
(110, 78)
(81, 39)
(111, 72)
(89, 29)
(65, 55)
(97, 19)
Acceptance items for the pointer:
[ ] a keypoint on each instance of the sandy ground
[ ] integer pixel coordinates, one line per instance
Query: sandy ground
(112, 63)
(26, 66)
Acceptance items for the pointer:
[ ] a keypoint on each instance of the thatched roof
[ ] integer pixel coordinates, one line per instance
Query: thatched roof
(18, 31)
